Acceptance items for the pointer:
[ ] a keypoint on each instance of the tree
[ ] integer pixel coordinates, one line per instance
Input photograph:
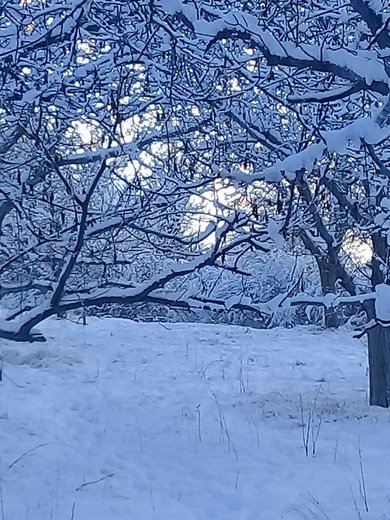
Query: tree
(102, 154)
(320, 76)
(121, 121)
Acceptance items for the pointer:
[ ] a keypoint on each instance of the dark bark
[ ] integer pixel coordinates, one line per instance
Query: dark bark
(379, 365)
(5, 207)
(374, 21)
(328, 276)
(25, 332)
(378, 338)
(378, 341)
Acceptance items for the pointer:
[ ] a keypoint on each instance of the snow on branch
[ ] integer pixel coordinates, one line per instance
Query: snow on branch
(334, 141)
(359, 67)
(152, 290)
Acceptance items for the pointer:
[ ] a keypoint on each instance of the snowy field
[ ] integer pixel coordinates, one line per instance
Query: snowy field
(129, 421)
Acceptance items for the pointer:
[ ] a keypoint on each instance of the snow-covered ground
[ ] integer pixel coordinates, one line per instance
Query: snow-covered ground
(129, 421)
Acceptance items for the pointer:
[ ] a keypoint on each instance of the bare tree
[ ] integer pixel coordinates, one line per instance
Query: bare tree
(107, 162)
(314, 86)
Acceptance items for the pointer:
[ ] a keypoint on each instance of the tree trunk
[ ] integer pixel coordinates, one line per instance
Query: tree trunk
(328, 276)
(378, 337)
(379, 365)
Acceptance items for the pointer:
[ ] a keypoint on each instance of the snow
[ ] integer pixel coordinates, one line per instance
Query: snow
(283, 167)
(274, 227)
(376, 6)
(177, 6)
(382, 302)
(362, 64)
(363, 128)
(366, 129)
(119, 420)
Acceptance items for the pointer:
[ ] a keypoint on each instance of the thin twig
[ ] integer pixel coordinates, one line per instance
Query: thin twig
(94, 481)
(163, 326)
(27, 453)
(363, 490)
(12, 381)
